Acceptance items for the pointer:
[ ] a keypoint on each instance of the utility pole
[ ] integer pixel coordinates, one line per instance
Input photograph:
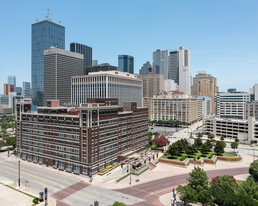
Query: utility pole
(19, 174)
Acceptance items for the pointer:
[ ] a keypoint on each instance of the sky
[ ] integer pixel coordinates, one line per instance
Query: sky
(222, 35)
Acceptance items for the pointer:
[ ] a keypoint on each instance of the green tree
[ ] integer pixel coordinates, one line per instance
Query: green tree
(234, 145)
(173, 150)
(251, 142)
(198, 143)
(211, 136)
(198, 179)
(189, 150)
(253, 170)
(150, 138)
(205, 148)
(222, 138)
(118, 204)
(205, 197)
(2, 143)
(11, 141)
(219, 147)
(236, 140)
(223, 190)
(187, 194)
(209, 143)
(199, 134)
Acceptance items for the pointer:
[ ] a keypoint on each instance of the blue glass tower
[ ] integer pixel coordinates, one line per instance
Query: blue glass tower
(126, 63)
(44, 34)
(160, 61)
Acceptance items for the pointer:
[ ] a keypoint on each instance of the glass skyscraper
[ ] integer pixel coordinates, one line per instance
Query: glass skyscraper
(12, 80)
(159, 64)
(44, 34)
(126, 63)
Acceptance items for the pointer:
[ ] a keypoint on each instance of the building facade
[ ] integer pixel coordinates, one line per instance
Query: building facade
(146, 69)
(170, 85)
(152, 84)
(231, 105)
(8, 88)
(84, 140)
(44, 34)
(205, 85)
(85, 50)
(169, 106)
(100, 67)
(59, 66)
(179, 68)
(160, 62)
(204, 107)
(26, 90)
(251, 110)
(126, 64)
(94, 62)
(12, 80)
(109, 84)
(244, 130)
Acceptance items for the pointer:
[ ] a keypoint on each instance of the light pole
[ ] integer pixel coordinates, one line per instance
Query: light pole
(19, 174)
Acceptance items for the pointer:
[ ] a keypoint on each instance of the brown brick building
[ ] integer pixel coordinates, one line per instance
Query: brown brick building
(82, 140)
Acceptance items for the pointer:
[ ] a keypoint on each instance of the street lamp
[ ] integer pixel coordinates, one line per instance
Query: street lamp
(19, 174)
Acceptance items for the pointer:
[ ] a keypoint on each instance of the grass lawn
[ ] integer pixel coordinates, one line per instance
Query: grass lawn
(225, 154)
(189, 156)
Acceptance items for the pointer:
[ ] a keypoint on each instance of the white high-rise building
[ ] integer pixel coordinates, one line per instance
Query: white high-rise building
(170, 85)
(179, 69)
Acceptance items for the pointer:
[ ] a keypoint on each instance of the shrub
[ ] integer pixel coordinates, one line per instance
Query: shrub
(104, 170)
(35, 200)
(183, 158)
(253, 170)
(110, 166)
(211, 155)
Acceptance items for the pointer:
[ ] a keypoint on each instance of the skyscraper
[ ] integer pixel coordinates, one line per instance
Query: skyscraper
(12, 80)
(8, 88)
(145, 69)
(159, 62)
(44, 34)
(26, 91)
(205, 85)
(85, 50)
(59, 66)
(126, 63)
(179, 69)
(94, 62)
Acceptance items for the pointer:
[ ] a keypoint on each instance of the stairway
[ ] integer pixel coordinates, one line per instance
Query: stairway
(151, 165)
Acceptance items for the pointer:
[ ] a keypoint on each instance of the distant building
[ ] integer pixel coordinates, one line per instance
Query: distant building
(100, 67)
(107, 84)
(59, 66)
(232, 90)
(84, 140)
(18, 90)
(170, 85)
(179, 68)
(44, 34)
(8, 88)
(254, 93)
(4, 100)
(174, 106)
(204, 107)
(12, 80)
(126, 64)
(205, 84)
(94, 62)
(85, 50)
(160, 62)
(145, 69)
(26, 90)
(244, 130)
(251, 110)
(231, 105)
(153, 84)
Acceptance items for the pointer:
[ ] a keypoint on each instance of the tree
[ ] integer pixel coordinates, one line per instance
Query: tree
(118, 204)
(187, 194)
(222, 138)
(236, 140)
(234, 145)
(199, 134)
(219, 147)
(198, 143)
(156, 134)
(253, 170)
(209, 143)
(211, 136)
(11, 141)
(189, 150)
(198, 179)
(205, 148)
(223, 190)
(251, 142)
(150, 138)
(2, 143)
(173, 150)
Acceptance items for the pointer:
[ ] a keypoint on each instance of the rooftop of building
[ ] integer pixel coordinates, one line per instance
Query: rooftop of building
(229, 120)
(56, 50)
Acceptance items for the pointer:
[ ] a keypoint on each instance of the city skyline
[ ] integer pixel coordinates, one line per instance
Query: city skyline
(217, 41)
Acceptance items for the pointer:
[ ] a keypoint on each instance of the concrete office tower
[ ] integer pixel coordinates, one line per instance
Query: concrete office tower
(107, 84)
(44, 34)
(8, 88)
(12, 80)
(85, 50)
(145, 69)
(126, 63)
(204, 107)
(179, 69)
(251, 110)
(173, 106)
(94, 62)
(59, 66)
(100, 67)
(231, 105)
(160, 62)
(170, 85)
(26, 91)
(254, 92)
(205, 84)
(153, 84)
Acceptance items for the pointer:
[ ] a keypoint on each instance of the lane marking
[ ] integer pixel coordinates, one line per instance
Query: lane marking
(16, 170)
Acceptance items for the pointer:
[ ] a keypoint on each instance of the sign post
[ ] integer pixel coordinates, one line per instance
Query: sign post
(45, 196)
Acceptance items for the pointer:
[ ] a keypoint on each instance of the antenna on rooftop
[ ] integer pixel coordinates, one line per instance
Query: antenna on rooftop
(48, 16)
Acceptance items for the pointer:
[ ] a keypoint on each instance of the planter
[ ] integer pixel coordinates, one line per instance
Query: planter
(175, 162)
(108, 170)
(213, 160)
(230, 159)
